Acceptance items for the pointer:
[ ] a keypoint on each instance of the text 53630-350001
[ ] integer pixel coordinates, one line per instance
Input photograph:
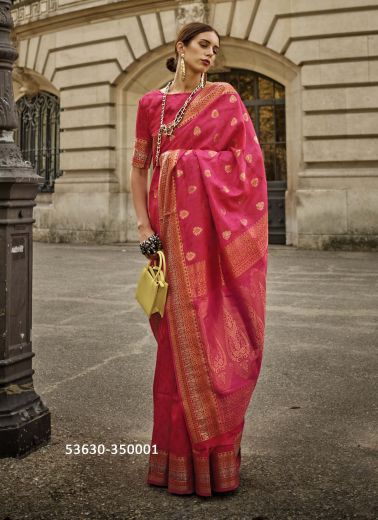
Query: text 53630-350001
(112, 449)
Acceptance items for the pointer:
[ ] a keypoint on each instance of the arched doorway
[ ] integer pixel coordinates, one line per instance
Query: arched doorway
(264, 99)
(149, 73)
(38, 135)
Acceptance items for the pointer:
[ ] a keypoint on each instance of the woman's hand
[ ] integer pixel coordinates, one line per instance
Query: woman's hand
(144, 233)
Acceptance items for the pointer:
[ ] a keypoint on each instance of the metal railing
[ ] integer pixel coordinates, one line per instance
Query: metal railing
(38, 135)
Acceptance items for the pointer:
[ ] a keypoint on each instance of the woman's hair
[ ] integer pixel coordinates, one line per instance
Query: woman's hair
(186, 34)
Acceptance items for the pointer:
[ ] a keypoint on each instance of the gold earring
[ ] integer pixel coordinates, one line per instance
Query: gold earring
(182, 67)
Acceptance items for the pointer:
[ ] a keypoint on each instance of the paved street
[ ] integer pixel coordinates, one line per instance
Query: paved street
(309, 446)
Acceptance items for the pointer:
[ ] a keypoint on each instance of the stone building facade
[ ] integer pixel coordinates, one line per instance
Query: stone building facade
(98, 57)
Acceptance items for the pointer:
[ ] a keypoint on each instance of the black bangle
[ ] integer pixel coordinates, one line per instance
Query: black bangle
(151, 245)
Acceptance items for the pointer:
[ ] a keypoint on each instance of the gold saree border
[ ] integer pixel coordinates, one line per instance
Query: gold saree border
(249, 247)
(217, 471)
(141, 153)
(158, 468)
(205, 97)
(203, 415)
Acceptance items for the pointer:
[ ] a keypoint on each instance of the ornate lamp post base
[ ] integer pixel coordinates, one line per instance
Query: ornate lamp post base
(27, 437)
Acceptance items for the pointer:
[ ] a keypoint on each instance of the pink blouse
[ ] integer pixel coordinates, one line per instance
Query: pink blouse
(148, 122)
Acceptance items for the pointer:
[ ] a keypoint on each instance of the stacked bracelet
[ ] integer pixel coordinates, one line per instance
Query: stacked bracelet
(151, 245)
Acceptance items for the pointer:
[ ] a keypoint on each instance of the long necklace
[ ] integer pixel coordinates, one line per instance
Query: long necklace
(169, 129)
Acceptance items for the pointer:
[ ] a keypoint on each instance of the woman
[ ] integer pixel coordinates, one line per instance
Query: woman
(207, 210)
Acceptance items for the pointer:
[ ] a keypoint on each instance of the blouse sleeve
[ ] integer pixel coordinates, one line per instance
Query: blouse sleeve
(142, 153)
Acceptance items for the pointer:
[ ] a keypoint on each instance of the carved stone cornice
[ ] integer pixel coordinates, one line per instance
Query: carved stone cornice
(27, 10)
(189, 11)
(47, 15)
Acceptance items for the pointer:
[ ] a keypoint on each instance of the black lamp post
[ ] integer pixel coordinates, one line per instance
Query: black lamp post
(24, 419)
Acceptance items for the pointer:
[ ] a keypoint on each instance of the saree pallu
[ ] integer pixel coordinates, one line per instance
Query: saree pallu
(208, 202)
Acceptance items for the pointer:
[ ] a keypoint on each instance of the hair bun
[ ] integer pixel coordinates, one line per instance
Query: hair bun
(171, 64)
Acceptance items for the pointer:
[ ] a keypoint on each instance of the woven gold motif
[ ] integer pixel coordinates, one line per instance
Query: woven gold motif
(202, 472)
(197, 230)
(142, 153)
(197, 273)
(216, 471)
(218, 363)
(226, 470)
(158, 468)
(237, 341)
(184, 213)
(180, 474)
(235, 404)
(248, 247)
(190, 255)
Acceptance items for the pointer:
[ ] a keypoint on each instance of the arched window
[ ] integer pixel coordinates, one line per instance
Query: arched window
(38, 135)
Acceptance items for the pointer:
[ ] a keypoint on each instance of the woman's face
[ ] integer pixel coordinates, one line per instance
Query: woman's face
(200, 53)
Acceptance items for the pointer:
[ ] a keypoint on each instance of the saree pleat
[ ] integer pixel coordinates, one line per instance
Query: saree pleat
(177, 464)
(208, 202)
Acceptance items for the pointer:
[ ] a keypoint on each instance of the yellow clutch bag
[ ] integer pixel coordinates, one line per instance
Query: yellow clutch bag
(151, 291)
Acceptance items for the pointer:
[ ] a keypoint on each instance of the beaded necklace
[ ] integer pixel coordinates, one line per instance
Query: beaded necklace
(169, 129)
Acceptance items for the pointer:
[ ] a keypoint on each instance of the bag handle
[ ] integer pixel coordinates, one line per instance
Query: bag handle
(162, 261)
(161, 266)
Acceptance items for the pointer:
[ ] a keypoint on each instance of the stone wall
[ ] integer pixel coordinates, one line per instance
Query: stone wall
(101, 56)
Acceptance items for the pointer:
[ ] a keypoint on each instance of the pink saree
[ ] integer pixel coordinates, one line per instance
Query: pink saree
(208, 202)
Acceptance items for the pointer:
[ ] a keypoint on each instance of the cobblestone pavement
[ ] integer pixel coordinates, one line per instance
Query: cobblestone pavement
(308, 445)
